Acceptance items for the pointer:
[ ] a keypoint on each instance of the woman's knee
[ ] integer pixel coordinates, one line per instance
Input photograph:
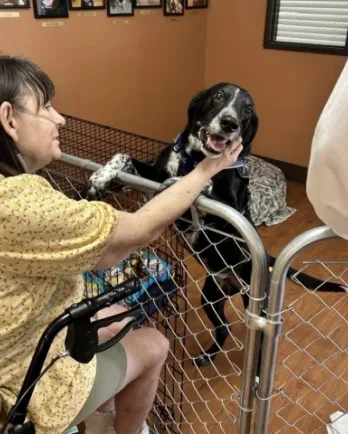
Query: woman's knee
(155, 345)
(146, 351)
(149, 346)
(160, 346)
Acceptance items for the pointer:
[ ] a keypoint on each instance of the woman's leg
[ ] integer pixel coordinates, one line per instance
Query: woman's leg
(146, 351)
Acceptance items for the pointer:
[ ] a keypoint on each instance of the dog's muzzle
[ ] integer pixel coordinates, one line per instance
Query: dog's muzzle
(215, 143)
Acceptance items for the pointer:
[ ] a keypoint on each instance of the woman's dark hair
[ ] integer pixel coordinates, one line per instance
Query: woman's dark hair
(18, 77)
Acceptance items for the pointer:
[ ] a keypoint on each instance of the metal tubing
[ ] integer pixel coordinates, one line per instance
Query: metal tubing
(274, 313)
(257, 293)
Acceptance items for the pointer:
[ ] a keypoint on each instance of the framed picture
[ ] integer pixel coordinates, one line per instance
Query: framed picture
(14, 4)
(196, 4)
(117, 8)
(173, 7)
(148, 3)
(76, 5)
(51, 8)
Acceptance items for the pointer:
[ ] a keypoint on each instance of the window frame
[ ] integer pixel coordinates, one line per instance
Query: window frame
(272, 13)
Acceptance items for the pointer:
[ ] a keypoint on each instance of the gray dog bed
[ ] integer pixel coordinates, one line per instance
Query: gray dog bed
(268, 193)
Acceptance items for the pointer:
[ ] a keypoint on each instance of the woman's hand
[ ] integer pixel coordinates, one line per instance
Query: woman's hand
(229, 156)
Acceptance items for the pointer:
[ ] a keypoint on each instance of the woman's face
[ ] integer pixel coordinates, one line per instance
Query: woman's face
(37, 135)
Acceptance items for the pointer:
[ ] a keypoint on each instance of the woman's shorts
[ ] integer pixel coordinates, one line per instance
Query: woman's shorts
(110, 376)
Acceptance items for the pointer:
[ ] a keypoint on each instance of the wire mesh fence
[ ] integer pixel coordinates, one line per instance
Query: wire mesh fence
(310, 390)
(215, 397)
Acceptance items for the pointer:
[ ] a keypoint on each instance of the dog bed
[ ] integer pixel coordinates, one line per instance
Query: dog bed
(268, 190)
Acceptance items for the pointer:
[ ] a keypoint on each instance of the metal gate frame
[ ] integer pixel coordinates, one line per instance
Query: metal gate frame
(275, 319)
(258, 285)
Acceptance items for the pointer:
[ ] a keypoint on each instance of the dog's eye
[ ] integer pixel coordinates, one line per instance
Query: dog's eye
(248, 111)
(218, 95)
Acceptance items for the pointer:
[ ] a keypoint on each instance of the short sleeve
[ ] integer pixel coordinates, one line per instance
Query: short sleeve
(44, 233)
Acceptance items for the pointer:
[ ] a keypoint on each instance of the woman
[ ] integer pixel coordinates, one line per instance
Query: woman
(46, 242)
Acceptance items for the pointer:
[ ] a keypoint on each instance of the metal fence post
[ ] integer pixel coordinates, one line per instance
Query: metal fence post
(274, 320)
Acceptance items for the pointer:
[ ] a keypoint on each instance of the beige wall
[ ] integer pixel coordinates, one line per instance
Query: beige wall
(137, 76)
(290, 88)
(140, 76)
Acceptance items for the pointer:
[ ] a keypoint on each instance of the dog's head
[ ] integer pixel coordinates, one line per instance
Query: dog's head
(217, 116)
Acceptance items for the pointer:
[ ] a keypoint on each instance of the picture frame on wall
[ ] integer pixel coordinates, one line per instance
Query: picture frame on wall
(148, 3)
(173, 7)
(119, 8)
(196, 4)
(51, 9)
(78, 5)
(14, 4)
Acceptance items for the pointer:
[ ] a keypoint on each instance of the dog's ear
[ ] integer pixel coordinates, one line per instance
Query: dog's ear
(250, 133)
(195, 105)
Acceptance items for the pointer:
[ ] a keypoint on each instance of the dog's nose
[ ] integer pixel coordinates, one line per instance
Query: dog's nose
(229, 124)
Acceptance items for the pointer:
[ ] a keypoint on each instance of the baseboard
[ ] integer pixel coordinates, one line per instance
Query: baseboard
(292, 172)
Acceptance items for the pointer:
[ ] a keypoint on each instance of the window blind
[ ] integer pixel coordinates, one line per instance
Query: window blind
(319, 22)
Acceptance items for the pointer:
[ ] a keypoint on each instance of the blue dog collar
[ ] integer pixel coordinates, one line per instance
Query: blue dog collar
(178, 145)
(188, 162)
(238, 163)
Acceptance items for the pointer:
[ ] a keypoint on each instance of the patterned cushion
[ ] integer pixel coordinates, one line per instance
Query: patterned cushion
(268, 193)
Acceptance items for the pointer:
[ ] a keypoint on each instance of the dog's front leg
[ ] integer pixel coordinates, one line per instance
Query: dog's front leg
(196, 216)
(207, 190)
(168, 183)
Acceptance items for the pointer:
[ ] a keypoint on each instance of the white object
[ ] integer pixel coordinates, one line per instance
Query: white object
(327, 181)
(100, 422)
(144, 430)
(103, 423)
(71, 430)
(339, 423)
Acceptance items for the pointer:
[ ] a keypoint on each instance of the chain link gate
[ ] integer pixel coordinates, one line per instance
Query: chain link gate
(212, 399)
(306, 381)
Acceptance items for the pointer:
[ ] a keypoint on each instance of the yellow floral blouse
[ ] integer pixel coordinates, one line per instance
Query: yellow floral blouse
(46, 242)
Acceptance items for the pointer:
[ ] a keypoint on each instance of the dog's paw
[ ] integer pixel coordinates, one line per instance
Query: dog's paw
(168, 183)
(207, 190)
(204, 359)
(93, 193)
(107, 175)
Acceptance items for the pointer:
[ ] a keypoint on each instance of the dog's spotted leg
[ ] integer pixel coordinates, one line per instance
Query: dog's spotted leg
(195, 215)
(207, 190)
(168, 183)
(106, 176)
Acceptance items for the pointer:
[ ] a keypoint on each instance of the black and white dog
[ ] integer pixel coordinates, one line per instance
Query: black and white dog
(216, 117)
